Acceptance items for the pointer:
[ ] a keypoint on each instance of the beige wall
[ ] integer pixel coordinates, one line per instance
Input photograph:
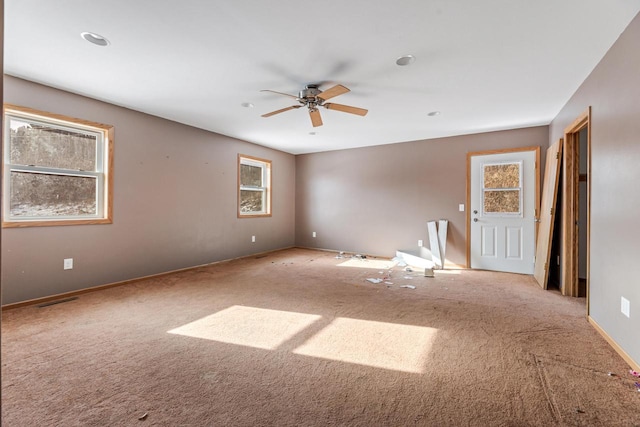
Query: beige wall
(613, 92)
(378, 199)
(174, 207)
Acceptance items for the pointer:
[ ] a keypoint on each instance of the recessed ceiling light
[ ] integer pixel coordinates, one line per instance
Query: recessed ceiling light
(94, 38)
(405, 60)
(433, 113)
(312, 133)
(247, 105)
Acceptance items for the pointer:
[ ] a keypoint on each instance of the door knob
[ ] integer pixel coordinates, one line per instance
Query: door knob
(475, 212)
(475, 219)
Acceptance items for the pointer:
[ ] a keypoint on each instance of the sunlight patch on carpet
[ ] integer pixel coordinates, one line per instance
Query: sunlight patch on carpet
(378, 264)
(456, 272)
(248, 326)
(378, 344)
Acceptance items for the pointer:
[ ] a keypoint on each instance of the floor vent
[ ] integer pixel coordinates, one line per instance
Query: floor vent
(59, 301)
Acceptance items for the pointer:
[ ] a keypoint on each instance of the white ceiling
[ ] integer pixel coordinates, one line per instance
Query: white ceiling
(486, 65)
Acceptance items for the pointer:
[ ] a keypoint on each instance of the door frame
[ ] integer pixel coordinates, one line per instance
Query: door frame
(570, 206)
(537, 189)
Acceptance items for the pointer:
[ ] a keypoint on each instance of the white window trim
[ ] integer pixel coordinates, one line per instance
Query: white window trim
(265, 165)
(103, 173)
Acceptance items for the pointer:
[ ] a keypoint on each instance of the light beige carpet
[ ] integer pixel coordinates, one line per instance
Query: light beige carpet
(300, 338)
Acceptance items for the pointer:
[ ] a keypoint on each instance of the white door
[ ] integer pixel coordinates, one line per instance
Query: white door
(547, 213)
(503, 211)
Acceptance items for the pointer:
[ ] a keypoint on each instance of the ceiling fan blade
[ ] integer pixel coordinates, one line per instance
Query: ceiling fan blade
(346, 109)
(279, 93)
(316, 120)
(281, 111)
(333, 91)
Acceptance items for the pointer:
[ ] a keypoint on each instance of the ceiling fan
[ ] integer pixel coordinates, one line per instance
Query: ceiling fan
(312, 98)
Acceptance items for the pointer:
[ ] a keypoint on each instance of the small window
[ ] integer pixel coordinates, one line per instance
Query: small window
(254, 187)
(502, 189)
(56, 170)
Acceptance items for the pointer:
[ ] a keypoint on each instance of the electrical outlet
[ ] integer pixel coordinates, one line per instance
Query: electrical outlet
(68, 263)
(461, 207)
(313, 234)
(419, 242)
(253, 239)
(624, 306)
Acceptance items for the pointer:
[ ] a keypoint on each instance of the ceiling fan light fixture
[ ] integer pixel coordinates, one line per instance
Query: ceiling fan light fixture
(94, 38)
(405, 60)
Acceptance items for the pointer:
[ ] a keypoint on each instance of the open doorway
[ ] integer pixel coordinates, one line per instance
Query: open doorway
(575, 202)
(583, 173)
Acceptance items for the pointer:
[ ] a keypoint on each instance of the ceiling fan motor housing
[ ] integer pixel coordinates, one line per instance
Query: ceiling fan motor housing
(310, 91)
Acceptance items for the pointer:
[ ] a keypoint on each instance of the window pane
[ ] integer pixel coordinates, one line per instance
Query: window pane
(251, 175)
(43, 195)
(502, 176)
(38, 145)
(507, 201)
(251, 201)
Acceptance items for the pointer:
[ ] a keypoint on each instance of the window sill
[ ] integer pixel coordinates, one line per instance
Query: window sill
(55, 223)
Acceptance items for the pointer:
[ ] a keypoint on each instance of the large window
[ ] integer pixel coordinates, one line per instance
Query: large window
(254, 187)
(57, 170)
